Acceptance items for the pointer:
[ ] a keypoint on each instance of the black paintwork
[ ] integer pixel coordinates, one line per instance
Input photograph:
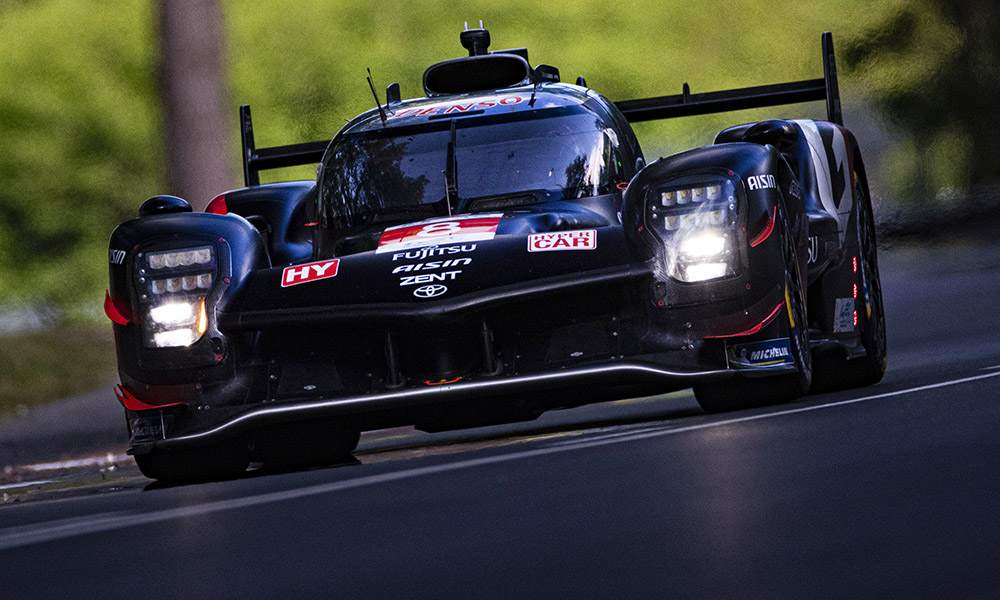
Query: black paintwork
(536, 329)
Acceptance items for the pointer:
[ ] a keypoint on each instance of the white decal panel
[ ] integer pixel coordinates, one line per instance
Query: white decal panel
(584, 239)
(838, 207)
(433, 232)
(843, 318)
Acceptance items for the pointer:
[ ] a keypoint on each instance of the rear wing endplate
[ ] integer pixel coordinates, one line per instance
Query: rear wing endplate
(646, 109)
(686, 103)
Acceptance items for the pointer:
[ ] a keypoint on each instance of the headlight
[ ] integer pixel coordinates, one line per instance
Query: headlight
(173, 287)
(697, 224)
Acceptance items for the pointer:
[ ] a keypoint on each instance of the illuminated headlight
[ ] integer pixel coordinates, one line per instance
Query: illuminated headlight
(702, 244)
(698, 227)
(174, 313)
(175, 285)
(179, 258)
(176, 323)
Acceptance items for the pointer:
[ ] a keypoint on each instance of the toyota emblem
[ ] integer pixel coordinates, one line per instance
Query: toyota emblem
(430, 291)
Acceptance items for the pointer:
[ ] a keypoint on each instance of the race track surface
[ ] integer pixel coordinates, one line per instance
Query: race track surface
(884, 492)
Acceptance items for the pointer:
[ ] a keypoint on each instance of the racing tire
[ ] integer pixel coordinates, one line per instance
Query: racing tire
(304, 446)
(836, 372)
(213, 463)
(741, 393)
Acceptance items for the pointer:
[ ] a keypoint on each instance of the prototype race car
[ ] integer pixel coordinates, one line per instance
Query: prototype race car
(494, 249)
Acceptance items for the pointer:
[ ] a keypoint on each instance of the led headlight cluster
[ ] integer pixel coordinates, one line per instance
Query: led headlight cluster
(175, 285)
(697, 224)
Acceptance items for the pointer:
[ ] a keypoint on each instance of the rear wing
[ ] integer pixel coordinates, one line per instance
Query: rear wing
(257, 159)
(684, 104)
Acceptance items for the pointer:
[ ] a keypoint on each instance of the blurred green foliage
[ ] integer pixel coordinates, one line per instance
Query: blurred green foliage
(933, 68)
(80, 128)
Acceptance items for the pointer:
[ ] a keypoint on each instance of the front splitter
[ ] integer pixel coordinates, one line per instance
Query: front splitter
(630, 373)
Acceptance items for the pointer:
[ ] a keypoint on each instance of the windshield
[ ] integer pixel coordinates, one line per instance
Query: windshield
(402, 172)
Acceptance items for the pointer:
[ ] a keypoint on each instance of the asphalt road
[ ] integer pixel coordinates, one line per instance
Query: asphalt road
(884, 492)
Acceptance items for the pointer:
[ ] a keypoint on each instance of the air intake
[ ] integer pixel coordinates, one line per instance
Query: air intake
(476, 74)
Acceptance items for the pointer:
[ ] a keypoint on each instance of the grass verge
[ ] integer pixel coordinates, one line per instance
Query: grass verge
(43, 366)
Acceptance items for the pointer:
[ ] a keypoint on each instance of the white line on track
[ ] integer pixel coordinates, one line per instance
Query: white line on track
(26, 535)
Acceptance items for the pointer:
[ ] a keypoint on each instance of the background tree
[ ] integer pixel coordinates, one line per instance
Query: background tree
(192, 84)
(932, 67)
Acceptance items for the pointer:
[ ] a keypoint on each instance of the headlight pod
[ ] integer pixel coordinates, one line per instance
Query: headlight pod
(697, 224)
(173, 287)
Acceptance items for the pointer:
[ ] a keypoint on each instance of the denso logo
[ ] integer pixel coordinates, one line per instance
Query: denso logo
(584, 239)
(297, 274)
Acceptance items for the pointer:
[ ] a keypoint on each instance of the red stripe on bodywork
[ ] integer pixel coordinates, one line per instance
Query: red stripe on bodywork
(767, 321)
(767, 230)
(130, 402)
(112, 311)
(218, 205)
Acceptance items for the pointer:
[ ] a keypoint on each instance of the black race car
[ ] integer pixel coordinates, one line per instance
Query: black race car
(494, 249)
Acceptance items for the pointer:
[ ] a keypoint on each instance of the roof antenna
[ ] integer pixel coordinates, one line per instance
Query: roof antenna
(381, 112)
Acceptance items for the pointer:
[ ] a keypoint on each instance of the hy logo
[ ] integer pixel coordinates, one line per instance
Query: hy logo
(309, 272)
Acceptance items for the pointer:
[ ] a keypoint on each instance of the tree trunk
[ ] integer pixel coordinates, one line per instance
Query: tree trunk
(194, 100)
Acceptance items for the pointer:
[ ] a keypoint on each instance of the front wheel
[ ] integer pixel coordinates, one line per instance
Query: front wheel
(212, 463)
(737, 394)
(305, 445)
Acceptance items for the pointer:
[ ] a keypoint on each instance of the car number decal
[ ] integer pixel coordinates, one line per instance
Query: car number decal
(450, 230)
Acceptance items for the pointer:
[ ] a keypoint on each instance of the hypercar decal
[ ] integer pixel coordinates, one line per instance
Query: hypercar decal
(315, 271)
(761, 354)
(833, 173)
(584, 239)
(449, 230)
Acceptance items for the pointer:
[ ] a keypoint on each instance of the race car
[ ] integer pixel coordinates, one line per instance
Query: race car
(493, 249)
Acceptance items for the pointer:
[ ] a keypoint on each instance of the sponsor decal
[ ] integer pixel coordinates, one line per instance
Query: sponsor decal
(813, 249)
(761, 182)
(761, 354)
(457, 108)
(430, 251)
(584, 239)
(151, 429)
(306, 273)
(430, 291)
(843, 315)
(116, 257)
(434, 264)
(428, 278)
(795, 189)
(436, 232)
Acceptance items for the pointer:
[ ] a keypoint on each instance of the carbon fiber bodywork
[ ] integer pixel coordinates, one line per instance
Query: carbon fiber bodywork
(486, 307)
